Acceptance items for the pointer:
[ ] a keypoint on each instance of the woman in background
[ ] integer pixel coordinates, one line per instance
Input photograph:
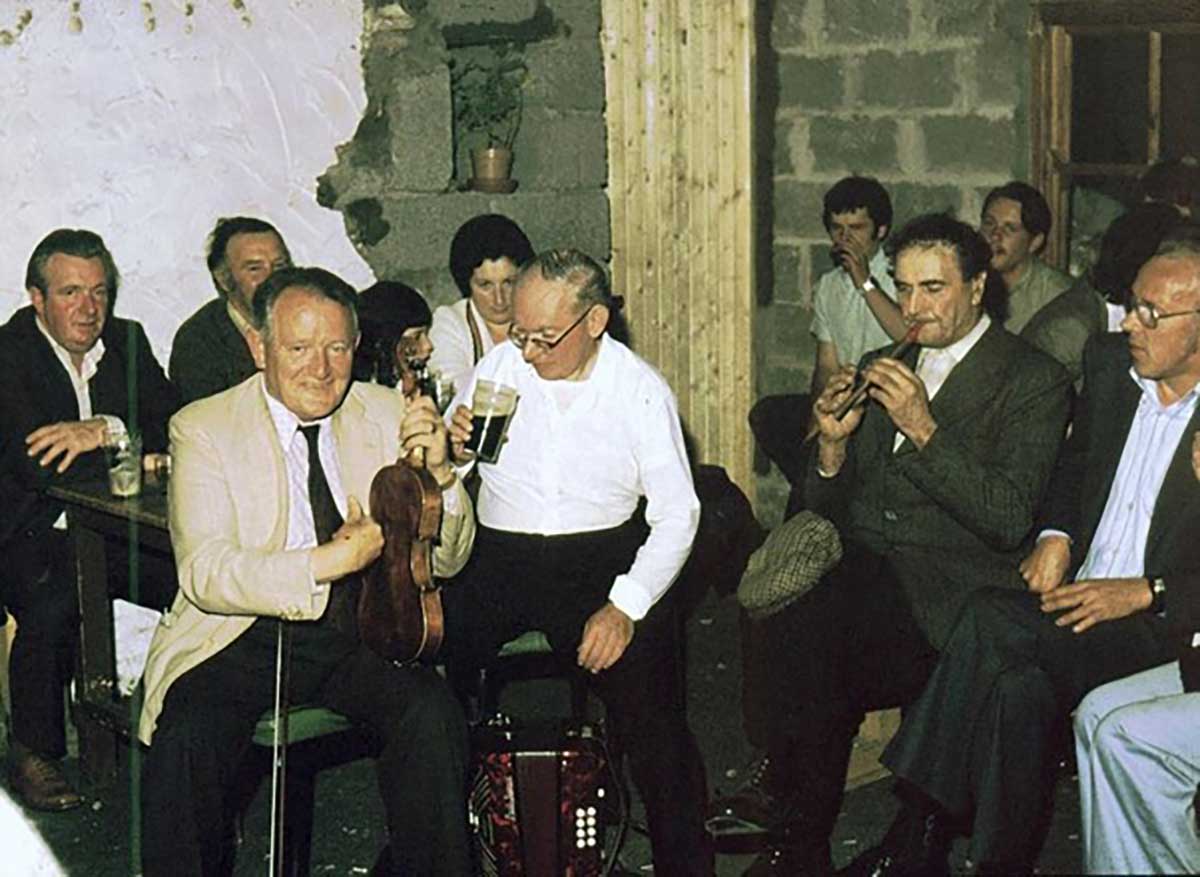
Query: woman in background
(394, 345)
(485, 257)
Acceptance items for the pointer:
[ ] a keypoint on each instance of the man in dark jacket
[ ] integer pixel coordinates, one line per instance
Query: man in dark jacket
(210, 352)
(934, 485)
(76, 379)
(1113, 567)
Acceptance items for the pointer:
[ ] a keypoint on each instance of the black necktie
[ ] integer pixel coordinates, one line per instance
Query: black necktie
(326, 520)
(326, 517)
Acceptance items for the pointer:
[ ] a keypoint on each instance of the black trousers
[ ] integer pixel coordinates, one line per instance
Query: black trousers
(979, 739)
(40, 592)
(207, 722)
(518, 582)
(816, 668)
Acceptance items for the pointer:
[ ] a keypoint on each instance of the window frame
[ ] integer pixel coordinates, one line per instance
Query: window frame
(1055, 24)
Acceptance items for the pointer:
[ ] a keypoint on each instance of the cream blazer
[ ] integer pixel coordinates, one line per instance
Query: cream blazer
(228, 520)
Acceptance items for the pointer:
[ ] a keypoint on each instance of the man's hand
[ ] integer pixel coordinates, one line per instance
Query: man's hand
(837, 389)
(66, 439)
(1096, 600)
(852, 256)
(422, 427)
(1046, 566)
(897, 388)
(353, 547)
(605, 637)
(460, 432)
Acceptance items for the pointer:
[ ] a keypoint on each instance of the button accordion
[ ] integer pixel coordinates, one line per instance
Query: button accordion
(544, 799)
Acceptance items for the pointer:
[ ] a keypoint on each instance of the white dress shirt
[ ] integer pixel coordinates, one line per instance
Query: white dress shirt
(580, 454)
(934, 364)
(301, 531)
(1118, 548)
(80, 378)
(453, 352)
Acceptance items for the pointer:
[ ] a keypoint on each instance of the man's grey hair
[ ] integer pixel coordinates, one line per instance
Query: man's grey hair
(316, 280)
(578, 270)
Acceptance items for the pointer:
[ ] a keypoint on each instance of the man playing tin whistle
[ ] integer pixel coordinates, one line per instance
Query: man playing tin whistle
(933, 481)
(560, 548)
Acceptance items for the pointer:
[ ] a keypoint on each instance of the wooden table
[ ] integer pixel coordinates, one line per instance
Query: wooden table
(103, 529)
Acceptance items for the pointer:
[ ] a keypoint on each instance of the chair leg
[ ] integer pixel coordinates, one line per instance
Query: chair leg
(298, 822)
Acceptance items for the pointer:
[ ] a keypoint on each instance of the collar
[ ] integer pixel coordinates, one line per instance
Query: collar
(91, 359)
(286, 423)
(1149, 388)
(959, 349)
(235, 316)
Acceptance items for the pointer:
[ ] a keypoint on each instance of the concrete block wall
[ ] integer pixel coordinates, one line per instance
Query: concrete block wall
(929, 96)
(398, 182)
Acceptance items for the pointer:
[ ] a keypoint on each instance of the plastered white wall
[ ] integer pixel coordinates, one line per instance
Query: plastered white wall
(145, 122)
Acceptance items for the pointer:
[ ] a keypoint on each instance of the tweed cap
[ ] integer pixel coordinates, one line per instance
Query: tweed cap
(795, 556)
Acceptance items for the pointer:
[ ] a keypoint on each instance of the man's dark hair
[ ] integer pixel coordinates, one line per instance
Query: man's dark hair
(852, 193)
(77, 242)
(318, 280)
(1035, 212)
(1173, 181)
(490, 236)
(386, 311)
(933, 229)
(224, 231)
(581, 272)
(1128, 243)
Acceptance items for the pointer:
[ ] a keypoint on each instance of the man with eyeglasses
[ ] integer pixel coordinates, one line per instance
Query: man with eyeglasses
(1112, 569)
(560, 546)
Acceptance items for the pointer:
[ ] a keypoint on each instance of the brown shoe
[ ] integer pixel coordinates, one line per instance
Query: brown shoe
(39, 783)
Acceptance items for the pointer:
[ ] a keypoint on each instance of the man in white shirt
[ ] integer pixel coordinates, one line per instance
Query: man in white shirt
(560, 548)
(76, 379)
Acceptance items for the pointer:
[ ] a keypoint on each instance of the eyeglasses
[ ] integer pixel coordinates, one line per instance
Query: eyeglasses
(540, 346)
(1149, 316)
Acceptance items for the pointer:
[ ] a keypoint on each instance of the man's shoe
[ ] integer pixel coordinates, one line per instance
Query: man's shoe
(741, 821)
(39, 783)
(790, 861)
(915, 846)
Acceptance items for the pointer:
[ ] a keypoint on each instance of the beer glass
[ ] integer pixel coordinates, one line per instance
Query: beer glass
(492, 407)
(125, 466)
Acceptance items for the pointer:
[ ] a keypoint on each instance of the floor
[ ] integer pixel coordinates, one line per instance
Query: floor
(98, 839)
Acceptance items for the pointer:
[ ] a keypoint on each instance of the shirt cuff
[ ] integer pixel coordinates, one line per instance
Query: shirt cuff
(451, 504)
(1052, 532)
(630, 597)
(114, 429)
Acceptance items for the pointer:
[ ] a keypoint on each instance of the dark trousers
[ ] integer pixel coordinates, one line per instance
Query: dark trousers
(40, 593)
(519, 582)
(979, 739)
(207, 722)
(815, 669)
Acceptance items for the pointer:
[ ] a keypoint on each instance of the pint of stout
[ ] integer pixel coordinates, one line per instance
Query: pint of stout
(492, 407)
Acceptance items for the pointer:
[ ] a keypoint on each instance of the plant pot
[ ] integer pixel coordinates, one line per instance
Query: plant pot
(490, 167)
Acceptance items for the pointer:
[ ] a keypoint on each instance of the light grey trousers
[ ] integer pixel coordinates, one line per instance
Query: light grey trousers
(1137, 743)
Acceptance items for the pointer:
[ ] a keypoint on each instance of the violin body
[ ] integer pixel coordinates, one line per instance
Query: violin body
(400, 607)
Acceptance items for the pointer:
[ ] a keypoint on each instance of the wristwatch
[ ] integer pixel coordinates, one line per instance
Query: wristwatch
(1158, 595)
(868, 285)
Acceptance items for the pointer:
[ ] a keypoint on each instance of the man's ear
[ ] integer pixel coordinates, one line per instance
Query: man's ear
(597, 321)
(1037, 242)
(977, 287)
(258, 347)
(38, 299)
(882, 231)
(223, 279)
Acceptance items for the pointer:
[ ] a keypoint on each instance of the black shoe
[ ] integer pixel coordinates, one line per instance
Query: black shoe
(912, 848)
(742, 821)
(790, 861)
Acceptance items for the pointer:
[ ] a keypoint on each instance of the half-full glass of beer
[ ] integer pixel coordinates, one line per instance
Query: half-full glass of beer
(492, 407)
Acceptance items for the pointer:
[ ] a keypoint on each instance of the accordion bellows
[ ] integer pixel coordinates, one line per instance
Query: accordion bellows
(794, 557)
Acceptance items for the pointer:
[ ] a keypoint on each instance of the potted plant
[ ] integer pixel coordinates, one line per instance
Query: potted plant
(487, 99)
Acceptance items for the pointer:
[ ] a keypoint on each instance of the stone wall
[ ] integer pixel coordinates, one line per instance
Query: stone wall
(398, 182)
(929, 96)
